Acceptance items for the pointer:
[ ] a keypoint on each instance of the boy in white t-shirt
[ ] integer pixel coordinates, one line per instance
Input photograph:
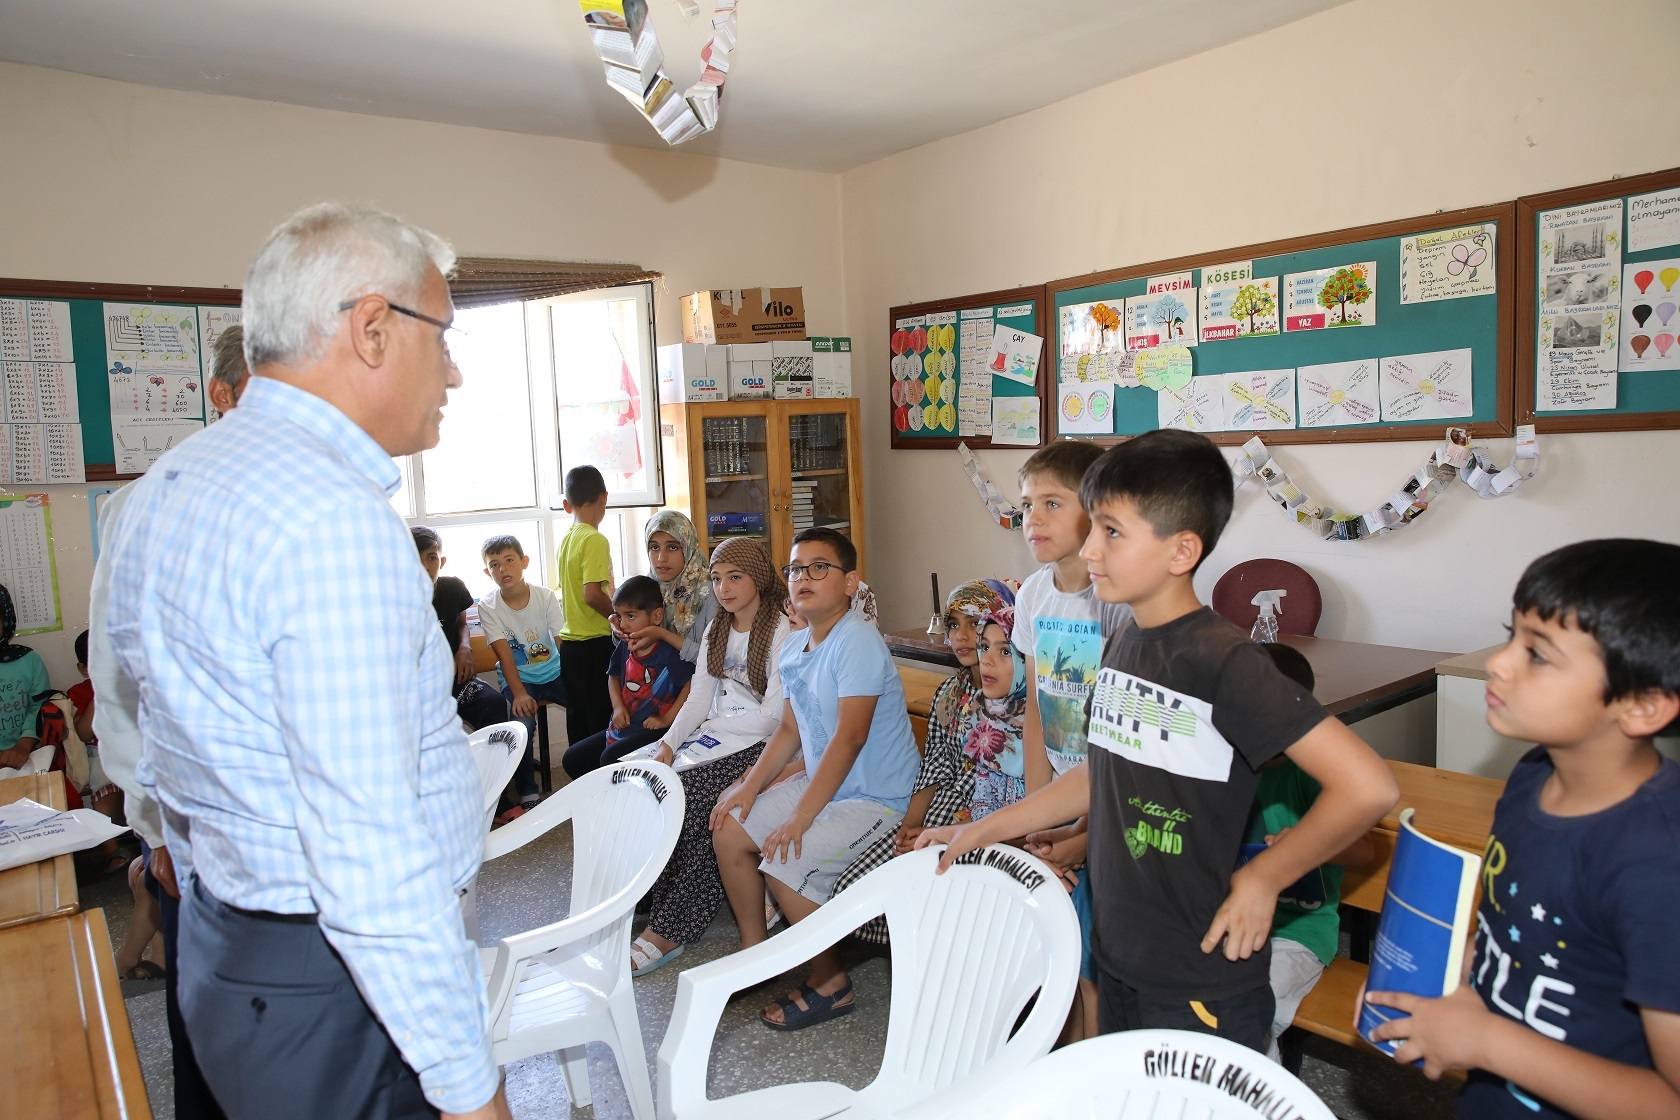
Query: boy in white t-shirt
(1059, 629)
(522, 622)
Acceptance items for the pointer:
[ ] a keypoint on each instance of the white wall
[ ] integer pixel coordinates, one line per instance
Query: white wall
(1367, 112)
(118, 183)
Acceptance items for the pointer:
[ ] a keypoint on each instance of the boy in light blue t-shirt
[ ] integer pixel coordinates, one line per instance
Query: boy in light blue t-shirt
(845, 712)
(522, 623)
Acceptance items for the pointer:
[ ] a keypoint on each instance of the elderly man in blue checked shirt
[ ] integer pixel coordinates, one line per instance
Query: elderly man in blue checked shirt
(294, 698)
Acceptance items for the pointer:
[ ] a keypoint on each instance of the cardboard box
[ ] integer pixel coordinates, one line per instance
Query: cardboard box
(831, 368)
(749, 371)
(790, 371)
(690, 372)
(731, 315)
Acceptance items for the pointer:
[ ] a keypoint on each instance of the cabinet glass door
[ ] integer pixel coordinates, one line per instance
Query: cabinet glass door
(736, 451)
(821, 493)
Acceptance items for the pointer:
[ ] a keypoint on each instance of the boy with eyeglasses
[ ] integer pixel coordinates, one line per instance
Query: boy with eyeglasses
(845, 711)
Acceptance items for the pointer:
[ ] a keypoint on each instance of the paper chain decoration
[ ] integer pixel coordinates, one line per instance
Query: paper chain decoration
(1006, 515)
(635, 66)
(1455, 458)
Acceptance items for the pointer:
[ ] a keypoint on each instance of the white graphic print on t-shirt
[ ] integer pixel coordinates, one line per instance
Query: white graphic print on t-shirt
(1154, 726)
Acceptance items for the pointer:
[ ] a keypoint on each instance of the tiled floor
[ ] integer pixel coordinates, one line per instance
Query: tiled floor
(530, 888)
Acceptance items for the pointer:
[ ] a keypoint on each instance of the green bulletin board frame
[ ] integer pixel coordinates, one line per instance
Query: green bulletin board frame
(87, 336)
(1033, 323)
(1481, 323)
(1645, 400)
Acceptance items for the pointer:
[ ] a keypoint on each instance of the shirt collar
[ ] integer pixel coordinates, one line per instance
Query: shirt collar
(273, 397)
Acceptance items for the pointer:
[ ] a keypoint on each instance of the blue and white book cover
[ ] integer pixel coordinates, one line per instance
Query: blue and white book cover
(1424, 929)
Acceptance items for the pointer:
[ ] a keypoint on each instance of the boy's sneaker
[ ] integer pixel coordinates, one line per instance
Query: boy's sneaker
(529, 801)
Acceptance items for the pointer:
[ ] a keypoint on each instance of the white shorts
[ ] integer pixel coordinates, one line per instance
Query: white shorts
(1295, 969)
(835, 839)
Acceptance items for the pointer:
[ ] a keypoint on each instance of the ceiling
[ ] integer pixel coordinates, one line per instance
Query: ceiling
(819, 84)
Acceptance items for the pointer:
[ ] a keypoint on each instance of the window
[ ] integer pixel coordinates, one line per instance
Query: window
(583, 361)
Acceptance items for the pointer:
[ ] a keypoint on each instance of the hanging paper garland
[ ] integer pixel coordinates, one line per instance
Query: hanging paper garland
(1455, 458)
(635, 66)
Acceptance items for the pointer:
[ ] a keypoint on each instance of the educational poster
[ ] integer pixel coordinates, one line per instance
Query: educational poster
(1338, 394)
(1245, 308)
(40, 393)
(1580, 276)
(909, 344)
(1161, 318)
(138, 441)
(1116, 368)
(212, 321)
(1653, 220)
(1433, 386)
(152, 337)
(35, 330)
(1092, 328)
(27, 566)
(1263, 400)
(1447, 264)
(1085, 408)
(1196, 406)
(1650, 316)
(1015, 354)
(975, 327)
(154, 393)
(1015, 421)
(1345, 296)
(1164, 367)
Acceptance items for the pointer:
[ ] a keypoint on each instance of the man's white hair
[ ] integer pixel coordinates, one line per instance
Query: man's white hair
(319, 258)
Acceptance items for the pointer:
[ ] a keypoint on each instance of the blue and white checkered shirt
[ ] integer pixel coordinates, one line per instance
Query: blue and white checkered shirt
(294, 700)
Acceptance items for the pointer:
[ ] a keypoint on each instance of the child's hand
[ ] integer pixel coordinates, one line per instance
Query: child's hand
(15, 757)
(620, 719)
(1274, 837)
(1444, 1033)
(735, 797)
(958, 840)
(1244, 920)
(1063, 848)
(906, 839)
(794, 617)
(656, 722)
(787, 837)
(463, 666)
(664, 754)
(524, 707)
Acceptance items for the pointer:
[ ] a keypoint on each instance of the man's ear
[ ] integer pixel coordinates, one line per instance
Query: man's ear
(221, 395)
(370, 330)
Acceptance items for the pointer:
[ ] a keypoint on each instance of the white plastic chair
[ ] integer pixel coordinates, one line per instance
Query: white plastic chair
(969, 949)
(497, 749)
(1140, 1075)
(565, 984)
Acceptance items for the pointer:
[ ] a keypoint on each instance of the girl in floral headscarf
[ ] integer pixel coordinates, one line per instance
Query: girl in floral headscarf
(999, 709)
(675, 560)
(23, 684)
(945, 787)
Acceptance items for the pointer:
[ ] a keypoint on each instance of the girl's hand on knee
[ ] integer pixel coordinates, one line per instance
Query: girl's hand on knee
(735, 797)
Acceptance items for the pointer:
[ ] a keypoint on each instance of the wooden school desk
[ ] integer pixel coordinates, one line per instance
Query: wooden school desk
(71, 1054)
(46, 888)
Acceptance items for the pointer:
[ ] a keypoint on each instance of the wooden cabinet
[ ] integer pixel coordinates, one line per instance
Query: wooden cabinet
(765, 469)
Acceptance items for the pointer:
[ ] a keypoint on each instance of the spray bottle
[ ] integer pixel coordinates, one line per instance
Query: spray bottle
(1265, 627)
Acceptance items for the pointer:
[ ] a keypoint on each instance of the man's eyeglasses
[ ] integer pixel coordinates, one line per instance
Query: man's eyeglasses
(814, 571)
(451, 333)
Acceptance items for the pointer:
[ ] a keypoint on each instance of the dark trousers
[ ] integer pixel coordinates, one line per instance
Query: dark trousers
(193, 1099)
(480, 704)
(1244, 1018)
(583, 666)
(525, 774)
(594, 752)
(278, 1025)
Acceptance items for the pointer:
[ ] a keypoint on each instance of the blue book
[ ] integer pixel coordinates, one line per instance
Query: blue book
(1424, 930)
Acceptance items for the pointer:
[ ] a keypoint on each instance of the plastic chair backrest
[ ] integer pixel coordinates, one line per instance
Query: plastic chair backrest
(497, 750)
(1145, 1074)
(969, 950)
(1233, 596)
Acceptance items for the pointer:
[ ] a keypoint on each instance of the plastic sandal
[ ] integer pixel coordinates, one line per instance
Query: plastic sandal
(645, 956)
(146, 970)
(818, 1009)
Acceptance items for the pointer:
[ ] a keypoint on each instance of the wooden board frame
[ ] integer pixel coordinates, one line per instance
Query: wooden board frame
(1041, 299)
(1505, 273)
(141, 293)
(1529, 208)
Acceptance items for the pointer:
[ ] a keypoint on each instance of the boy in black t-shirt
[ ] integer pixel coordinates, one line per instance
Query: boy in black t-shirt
(1185, 712)
(475, 702)
(1572, 1006)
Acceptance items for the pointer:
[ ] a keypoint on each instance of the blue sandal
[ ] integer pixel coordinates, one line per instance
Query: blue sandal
(818, 1009)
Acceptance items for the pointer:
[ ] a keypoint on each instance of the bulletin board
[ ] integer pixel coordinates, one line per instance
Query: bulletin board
(88, 337)
(949, 343)
(1462, 304)
(1577, 280)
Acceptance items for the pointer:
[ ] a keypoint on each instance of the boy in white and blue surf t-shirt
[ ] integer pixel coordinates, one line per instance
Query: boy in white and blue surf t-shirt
(1572, 1001)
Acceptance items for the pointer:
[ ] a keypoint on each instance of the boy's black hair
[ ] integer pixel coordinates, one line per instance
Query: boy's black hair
(1623, 594)
(1065, 461)
(1178, 480)
(507, 542)
(639, 593)
(81, 648)
(1292, 663)
(425, 537)
(584, 484)
(844, 550)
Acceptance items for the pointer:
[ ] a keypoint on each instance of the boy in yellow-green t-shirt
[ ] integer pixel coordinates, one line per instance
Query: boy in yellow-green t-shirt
(586, 589)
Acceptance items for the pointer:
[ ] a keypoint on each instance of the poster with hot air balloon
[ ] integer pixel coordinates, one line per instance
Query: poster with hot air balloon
(1650, 316)
(1580, 299)
(1447, 264)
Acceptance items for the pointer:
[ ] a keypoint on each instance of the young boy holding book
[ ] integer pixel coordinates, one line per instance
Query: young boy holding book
(1185, 712)
(1572, 1000)
(586, 645)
